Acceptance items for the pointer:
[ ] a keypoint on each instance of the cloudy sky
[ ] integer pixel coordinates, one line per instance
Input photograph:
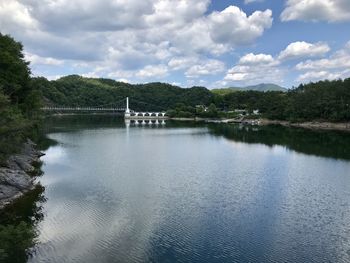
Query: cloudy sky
(213, 43)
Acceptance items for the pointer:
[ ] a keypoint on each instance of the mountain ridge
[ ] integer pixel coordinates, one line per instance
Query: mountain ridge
(263, 87)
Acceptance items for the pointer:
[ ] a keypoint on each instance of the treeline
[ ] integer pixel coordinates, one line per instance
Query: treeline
(323, 100)
(20, 101)
(79, 91)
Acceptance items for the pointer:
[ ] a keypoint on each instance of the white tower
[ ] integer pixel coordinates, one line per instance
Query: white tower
(127, 110)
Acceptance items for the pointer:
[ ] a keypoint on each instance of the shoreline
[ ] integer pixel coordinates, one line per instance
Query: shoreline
(18, 176)
(312, 125)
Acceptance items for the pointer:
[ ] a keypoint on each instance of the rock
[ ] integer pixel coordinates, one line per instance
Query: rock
(7, 191)
(24, 161)
(14, 179)
(21, 162)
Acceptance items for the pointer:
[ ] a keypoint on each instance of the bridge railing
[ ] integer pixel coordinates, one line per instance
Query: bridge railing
(82, 109)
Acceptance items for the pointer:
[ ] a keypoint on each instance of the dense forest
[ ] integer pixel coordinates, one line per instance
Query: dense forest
(20, 101)
(323, 100)
(79, 91)
(20, 104)
(261, 87)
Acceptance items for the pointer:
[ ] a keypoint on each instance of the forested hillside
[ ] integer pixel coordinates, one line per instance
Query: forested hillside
(79, 91)
(260, 87)
(20, 103)
(323, 100)
(19, 100)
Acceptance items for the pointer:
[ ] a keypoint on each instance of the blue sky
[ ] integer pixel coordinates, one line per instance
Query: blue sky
(217, 43)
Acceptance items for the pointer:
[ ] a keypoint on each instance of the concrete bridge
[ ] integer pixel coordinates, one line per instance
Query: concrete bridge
(129, 114)
(85, 109)
(117, 107)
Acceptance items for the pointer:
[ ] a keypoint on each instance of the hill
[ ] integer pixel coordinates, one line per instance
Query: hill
(75, 90)
(323, 100)
(260, 87)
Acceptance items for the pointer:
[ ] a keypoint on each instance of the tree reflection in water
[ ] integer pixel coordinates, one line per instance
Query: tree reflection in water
(332, 144)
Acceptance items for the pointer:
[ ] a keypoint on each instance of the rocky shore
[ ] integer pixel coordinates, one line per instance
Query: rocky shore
(17, 177)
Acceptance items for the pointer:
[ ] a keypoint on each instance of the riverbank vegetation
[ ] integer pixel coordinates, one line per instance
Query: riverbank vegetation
(20, 101)
(322, 101)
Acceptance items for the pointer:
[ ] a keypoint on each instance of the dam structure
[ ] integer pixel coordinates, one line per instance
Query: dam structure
(142, 115)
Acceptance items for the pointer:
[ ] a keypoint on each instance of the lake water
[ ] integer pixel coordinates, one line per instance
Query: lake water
(186, 192)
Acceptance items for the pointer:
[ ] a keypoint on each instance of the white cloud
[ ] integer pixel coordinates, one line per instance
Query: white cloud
(94, 16)
(337, 65)
(303, 49)
(14, 14)
(129, 38)
(206, 67)
(317, 10)
(37, 60)
(123, 80)
(53, 77)
(178, 63)
(252, 59)
(317, 75)
(178, 12)
(255, 68)
(92, 74)
(252, 1)
(338, 60)
(232, 26)
(150, 71)
(120, 74)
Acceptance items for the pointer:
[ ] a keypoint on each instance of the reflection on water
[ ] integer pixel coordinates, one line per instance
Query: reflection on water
(331, 144)
(192, 192)
(18, 226)
(135, 122)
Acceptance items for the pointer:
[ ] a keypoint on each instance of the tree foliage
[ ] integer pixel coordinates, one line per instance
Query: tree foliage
(14, 70)
(323, 100)
(20, 101)
(79, 91)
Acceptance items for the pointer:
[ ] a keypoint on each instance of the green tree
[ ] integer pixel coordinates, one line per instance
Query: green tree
(19, 100)
(14, 70)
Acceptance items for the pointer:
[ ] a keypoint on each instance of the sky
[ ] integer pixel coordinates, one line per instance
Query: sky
(211, 43)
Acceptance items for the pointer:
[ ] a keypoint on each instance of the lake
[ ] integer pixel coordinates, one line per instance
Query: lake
(191, 192)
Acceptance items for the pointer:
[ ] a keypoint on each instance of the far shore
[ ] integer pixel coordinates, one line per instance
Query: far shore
(315, 125)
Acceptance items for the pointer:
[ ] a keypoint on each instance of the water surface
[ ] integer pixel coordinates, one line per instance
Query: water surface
(184, 192)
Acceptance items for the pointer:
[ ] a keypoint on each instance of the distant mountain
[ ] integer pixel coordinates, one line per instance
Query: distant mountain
(265, 87)
(260, 87)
